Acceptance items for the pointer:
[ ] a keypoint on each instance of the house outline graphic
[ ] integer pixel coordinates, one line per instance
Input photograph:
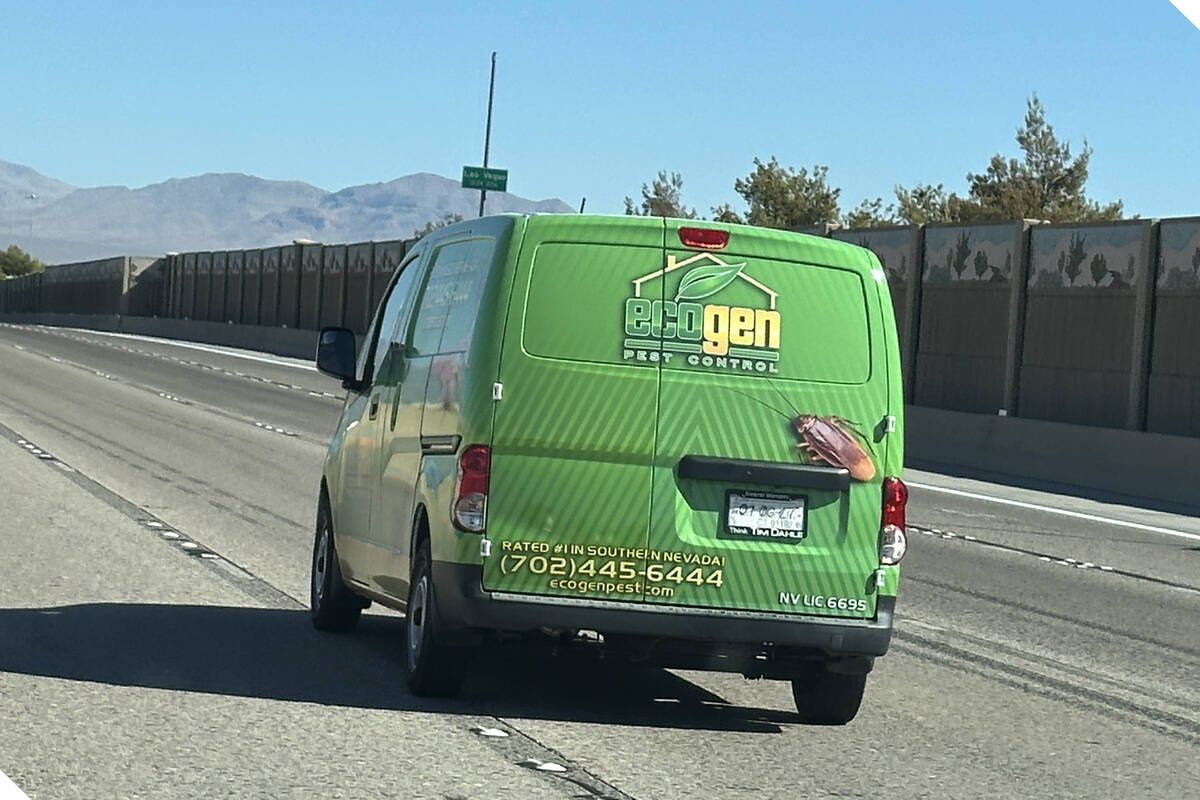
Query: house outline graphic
(673, 264)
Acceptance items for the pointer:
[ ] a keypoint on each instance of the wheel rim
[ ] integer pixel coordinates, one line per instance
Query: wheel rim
(321, 564)
(417, 606)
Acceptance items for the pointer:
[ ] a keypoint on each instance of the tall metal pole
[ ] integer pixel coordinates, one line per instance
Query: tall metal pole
(487, 136)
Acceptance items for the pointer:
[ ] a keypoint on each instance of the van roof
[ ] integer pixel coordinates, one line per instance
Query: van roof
(762, 241)
(817, 249)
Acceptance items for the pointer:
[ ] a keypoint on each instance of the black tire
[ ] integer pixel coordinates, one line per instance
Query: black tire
(431, 668)
(332, 606)
(828, 698)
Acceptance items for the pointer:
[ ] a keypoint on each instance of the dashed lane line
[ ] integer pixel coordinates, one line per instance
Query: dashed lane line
(1050, 558)
(274, 429)
(162, 529)
(183, 401)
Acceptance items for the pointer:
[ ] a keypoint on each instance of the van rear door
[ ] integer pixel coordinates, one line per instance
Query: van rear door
(770, 439)
(569, 501)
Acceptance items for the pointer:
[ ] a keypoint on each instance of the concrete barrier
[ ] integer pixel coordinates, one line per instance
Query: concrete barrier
(1106, 463)
(290, 342)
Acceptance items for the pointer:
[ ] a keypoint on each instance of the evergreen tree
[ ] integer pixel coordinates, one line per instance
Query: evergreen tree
(662, 198)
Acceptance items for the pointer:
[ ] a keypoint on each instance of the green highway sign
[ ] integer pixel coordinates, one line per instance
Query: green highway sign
(495, 180)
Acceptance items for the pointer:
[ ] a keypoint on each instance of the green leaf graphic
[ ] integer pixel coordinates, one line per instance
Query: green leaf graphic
(704, 281)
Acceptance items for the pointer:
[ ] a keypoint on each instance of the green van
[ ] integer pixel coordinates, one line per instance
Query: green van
(672, 439)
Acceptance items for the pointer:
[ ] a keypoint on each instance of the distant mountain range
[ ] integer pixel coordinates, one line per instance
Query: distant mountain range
(59, 223)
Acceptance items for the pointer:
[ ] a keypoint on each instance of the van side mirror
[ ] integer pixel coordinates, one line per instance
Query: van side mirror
(335, 355)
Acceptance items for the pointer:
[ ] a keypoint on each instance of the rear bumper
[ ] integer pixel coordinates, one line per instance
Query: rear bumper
(462, 603)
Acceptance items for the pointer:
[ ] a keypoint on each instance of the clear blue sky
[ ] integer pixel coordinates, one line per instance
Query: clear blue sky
(593, 98)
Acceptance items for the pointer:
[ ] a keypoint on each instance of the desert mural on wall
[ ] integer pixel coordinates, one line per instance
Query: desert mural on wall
(1100, 256)
(969, 253)
(891, 246)
(1179, 254)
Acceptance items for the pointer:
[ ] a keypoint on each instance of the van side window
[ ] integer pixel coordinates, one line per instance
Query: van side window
(382, 328)
(446, 317)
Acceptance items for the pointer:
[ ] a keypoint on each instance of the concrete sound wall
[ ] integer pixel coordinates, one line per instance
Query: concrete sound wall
(308, 312)
(234, 271)
(971, 297)
(252, 265)
(1070, 323)
(359, 273)
(268, 307)
(124, 284)
(144, 291)
(203, 285)
(288, 310)
(174, 284)
(1086, 324)
(216, 290)
(1173, 403)
(187, 298)
(333, 287)
(388, 256)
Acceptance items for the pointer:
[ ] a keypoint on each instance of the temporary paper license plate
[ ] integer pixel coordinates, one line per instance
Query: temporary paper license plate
(766, 516)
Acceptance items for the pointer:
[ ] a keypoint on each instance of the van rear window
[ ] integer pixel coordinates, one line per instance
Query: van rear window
(705, 312)
(576, 299)
(755, 316)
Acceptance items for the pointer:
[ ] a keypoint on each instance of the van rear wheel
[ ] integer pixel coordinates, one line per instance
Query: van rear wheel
(828, 698)
(432, 668)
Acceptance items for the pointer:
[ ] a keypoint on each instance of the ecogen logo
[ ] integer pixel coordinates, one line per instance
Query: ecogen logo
(739, 338)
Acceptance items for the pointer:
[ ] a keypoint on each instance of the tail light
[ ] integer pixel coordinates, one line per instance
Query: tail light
(704, 238)
(893, 539)
(469, 512)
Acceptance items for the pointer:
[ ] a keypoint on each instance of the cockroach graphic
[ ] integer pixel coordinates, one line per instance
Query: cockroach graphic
(828, 439)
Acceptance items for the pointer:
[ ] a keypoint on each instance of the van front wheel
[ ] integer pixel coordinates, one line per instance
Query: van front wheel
(828, 698)
(332, 606)
(432, 668)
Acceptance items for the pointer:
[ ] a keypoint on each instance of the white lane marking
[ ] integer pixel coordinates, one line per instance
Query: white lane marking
(204, 348)
(1062, 512)
(9, 790)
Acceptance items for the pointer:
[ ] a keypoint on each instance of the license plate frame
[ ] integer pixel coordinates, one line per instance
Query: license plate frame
(738, 522)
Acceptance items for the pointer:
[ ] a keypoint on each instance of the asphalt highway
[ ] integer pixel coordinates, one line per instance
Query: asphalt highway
(156, 509)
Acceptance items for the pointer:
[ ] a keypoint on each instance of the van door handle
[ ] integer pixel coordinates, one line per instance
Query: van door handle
(440, 445)
(374, 411)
